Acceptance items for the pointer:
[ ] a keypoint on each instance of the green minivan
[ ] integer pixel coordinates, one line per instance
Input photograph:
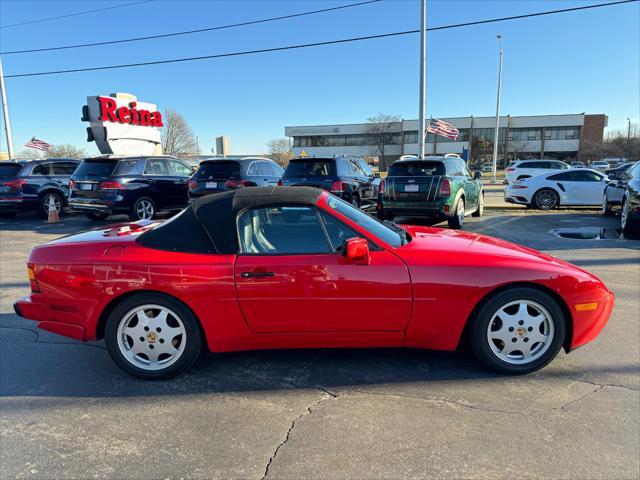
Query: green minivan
(439, 187)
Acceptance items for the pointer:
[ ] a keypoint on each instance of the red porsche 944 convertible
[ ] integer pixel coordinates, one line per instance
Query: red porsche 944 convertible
(296, 267)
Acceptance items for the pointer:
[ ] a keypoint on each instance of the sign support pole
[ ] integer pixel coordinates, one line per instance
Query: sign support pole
(423, 77)
(496, 136)
(5, 113)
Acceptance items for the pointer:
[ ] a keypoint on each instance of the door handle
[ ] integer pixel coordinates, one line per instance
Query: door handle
(257, 274)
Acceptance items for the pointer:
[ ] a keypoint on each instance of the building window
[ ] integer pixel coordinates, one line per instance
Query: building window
(525, 134)
(562, 133)
(411, 137)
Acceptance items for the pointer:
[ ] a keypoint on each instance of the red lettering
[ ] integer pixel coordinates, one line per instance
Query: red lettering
(135, 120)
(145, 117)
(107, 109)
(124, 115)
(157, 119)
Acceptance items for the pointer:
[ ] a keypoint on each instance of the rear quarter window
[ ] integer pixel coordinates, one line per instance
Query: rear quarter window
(132, 166)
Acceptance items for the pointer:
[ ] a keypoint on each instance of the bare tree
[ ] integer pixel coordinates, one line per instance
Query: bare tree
(66, 151)
(380, 131)
(177, 136)
(280, 151)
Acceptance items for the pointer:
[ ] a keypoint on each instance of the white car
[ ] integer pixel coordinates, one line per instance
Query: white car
(521, 169)
(582, 186)
(600, 165)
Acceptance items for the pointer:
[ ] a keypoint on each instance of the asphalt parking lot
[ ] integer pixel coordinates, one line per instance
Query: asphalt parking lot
(66, 411)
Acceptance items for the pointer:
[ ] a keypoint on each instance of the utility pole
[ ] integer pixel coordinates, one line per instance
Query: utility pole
(423, 76)
(197, 146)
(496, 137)
(628, 138)
(5, 113)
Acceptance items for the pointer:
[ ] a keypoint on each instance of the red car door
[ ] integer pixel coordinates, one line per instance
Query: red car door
(291, 277)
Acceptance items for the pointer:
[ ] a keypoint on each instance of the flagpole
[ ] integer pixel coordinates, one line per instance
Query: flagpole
(5, 113)
(497, 137)
(423, 77)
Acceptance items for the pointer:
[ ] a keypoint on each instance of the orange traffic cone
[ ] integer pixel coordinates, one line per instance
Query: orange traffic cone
(53, 212)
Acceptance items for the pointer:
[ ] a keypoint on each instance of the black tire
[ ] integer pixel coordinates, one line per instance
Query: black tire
(96, 215)
(607, 208)
(135, 211)
(43, 204)
(480, 210)
(457, 220)
(355, 200)
(479, 329)
(626, 224)
(192, 347)
(546, 199)
(8, 214)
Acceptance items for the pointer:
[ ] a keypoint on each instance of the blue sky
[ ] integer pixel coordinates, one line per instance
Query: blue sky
(586, 61)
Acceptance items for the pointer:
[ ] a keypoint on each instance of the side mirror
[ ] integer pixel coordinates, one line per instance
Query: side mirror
(356, 250)
(477, 175)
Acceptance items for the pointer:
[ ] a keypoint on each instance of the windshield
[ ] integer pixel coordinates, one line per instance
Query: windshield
(218, 169)
(417, 169)
(388, 232)
(310, 168)
(95, 168)
(8, 170)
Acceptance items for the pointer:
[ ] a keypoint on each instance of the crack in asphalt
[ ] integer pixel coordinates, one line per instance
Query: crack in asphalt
(291, 427)
(580, 398)
(614, 385)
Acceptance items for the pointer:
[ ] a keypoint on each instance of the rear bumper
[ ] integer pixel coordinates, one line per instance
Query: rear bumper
(16, 204)
(419, 210)
(58, 319)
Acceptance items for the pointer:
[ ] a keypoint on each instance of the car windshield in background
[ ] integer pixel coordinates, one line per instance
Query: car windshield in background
(416, 169)
(9, 170)
(310, 168)
(218, 169)
(95, 168)
(393, 236)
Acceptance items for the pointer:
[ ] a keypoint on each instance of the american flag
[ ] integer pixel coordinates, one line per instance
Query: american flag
(442, 128)
(37, 144)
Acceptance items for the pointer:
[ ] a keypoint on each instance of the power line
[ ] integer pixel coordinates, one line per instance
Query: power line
(308, 45)
(190, 32)
(74, 14)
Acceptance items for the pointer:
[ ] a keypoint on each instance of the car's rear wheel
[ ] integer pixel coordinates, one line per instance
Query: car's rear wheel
(143, 209)
(517, 331)
(480, 210)
(546, 199)
(607, 208)
(457, 220)
(153, 336)
(96, 215)
(43, 205)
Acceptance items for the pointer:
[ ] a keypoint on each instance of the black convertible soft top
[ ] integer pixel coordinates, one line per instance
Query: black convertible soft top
(208, 225)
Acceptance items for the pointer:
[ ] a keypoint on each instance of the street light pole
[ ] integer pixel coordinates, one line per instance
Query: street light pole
(495, 139)
(5, 113)
(423, 77)
(628, 129)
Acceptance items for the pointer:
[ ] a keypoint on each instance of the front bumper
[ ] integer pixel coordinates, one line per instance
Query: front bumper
(58, 319)
(588, 324)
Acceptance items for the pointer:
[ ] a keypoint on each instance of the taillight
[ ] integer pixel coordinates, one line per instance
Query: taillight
(383, 186)
(193, 184)
(109, 185)
(72, 184)
(445, 188)
(15, 184)
(279, 183)
(239, 183)
(510, 170)
(337, 187)
(35, 288)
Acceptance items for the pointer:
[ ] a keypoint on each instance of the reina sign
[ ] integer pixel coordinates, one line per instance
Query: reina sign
(121, 125)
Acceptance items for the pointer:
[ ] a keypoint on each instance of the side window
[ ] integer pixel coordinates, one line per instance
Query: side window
(635, 171)
(180, 169)
(565, 177)
(585, 176)
(365, 168)
(533, 165)
(266, 169)
(253, 169)
(463, 168)
(42, 169)
(281, 230)
(64, 168)
(337, 231)
(156, 166)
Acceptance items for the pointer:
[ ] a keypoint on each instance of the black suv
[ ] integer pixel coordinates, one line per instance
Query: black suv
(138, 186)
(346, 176)
(218, 175)
(31, 185)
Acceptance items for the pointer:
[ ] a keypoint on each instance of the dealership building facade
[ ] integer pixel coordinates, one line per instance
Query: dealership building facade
(562, 137)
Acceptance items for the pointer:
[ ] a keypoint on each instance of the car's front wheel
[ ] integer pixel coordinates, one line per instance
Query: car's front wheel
(625, 221)
(607, 209)
(153, 336)
(517, 331)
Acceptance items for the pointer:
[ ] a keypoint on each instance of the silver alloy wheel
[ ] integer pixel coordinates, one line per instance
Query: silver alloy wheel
(460, 211)
(56, 202)
(624, 215)
(520, 332)
(546, 199)
(151, 337)
(144, 209)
